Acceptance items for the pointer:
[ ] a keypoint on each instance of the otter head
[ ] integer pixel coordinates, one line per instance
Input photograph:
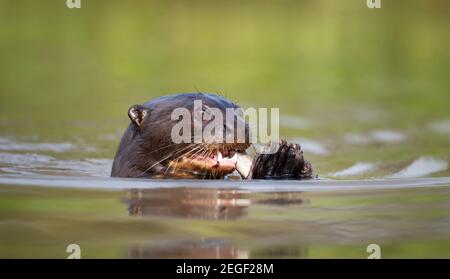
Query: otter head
(184, 135)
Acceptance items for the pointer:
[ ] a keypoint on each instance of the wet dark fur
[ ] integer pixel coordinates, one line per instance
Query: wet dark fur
(146, 148)
(142, 147)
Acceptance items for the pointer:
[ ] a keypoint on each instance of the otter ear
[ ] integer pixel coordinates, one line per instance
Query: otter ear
(137, 114)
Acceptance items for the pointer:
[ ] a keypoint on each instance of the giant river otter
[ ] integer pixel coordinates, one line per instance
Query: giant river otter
(147, 149)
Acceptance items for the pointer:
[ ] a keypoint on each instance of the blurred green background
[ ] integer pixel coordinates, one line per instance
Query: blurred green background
(353, 85)
(72, 73)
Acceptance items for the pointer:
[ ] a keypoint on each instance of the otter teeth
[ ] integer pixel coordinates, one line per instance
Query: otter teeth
(219, 157)
(234, 158)
(232, 153)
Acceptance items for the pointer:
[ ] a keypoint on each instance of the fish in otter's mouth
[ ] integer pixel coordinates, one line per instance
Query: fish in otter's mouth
(148, 149)
(208, 162)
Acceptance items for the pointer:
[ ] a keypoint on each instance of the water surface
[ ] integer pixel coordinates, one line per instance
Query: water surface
(120, 218)
(364, 91)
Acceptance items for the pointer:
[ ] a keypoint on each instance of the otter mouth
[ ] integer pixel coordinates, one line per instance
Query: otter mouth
(216, 159)
(210, 162)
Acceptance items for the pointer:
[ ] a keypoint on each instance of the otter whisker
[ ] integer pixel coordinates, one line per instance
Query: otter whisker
(168, 167)
(165, 158)
(183, 155)
(198, 149)
(206, 170)
(163, 147)
(186, 153)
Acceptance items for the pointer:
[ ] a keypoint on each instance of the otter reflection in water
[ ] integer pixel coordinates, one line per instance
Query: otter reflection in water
(202, 249)
(209, 204)
(214, 249)
(186, 202)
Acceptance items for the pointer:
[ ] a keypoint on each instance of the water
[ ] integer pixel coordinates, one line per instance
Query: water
(125, 218)
(365, 92)
(48, 203)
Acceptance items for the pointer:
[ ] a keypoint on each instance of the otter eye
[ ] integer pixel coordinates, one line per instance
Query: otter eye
(206, 111)
(198, 114)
